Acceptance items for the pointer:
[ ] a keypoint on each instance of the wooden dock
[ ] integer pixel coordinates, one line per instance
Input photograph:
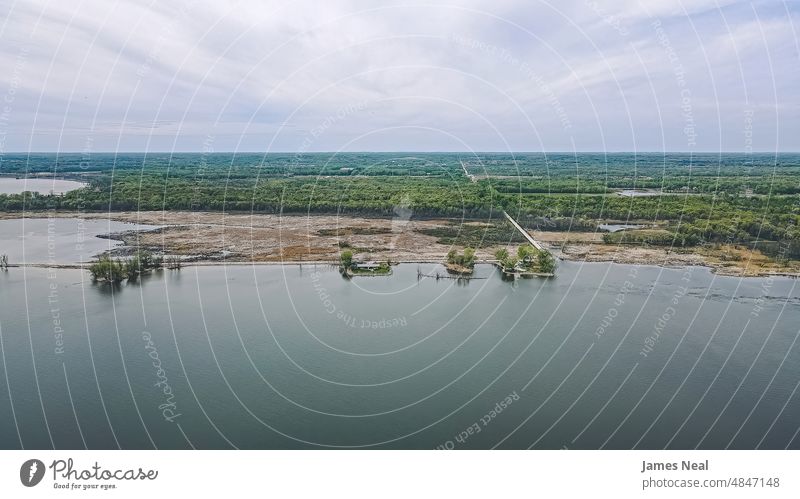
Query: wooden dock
(525, 233)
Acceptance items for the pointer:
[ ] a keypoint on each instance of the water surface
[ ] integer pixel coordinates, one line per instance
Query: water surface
(635, 193)
(40, 185)
(58, 240)
(618, 227)
(603, 356)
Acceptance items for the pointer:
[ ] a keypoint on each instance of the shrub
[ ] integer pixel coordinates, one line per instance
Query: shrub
(465, 260)
(346, 258)
(115, 270)
(106, 269)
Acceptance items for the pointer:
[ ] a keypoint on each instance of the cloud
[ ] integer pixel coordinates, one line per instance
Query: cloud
(510, 74)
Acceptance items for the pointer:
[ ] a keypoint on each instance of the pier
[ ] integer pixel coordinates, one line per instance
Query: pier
(525, 233)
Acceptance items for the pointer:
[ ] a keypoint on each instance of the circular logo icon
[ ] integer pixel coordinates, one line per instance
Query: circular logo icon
(31, 472)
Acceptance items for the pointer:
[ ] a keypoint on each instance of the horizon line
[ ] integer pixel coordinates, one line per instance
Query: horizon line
(89, 154)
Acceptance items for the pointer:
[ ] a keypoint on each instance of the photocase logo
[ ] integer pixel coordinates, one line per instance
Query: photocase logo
(31, 472)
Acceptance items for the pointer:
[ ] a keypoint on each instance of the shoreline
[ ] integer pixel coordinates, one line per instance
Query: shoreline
(214, 239)
(335, 264)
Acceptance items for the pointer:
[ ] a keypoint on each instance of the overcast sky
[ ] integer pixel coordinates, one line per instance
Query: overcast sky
(499, 75)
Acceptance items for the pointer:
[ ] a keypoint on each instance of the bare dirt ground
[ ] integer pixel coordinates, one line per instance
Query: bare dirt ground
(210, 237)
(725, 259)
(274, 238)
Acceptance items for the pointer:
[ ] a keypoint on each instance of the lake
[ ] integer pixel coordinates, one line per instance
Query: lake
(634, 193)
(41, 185)
(58, 240)
(618, 227)
(602, 356)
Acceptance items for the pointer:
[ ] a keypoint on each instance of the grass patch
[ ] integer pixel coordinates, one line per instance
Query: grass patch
(654, 237)
(473, 235)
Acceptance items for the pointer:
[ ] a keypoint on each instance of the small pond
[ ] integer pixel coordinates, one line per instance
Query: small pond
(618, 227)
(10, 185)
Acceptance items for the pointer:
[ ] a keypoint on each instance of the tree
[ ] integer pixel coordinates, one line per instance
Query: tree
(526, 253)
(133, 267)
(115, 270)
(465, 260)
(346, 259)
(506, 261)
(546, 262)
(469, 257)
(147, 260)
(106, 269)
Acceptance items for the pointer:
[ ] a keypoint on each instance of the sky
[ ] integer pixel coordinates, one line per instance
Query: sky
(349, 75)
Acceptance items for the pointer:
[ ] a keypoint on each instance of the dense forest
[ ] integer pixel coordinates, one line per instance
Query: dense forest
(700, 199)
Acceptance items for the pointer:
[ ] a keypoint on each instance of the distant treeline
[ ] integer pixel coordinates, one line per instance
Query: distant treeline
(525, 172)
(717, 208)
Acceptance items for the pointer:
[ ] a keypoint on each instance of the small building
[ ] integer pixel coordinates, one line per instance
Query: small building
(372, 266)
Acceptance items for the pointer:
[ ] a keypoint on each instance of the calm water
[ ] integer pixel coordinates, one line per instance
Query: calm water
(618, 227)
(631, 193)
(41, 185)
(58, 240)
(604, 355)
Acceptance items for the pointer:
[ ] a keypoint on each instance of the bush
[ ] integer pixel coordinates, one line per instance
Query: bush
(465, 260)
(546, 262)
(106, 269)
(651, 237)
(526, 253)
(346, 258)
(115, 270)
(506, 261)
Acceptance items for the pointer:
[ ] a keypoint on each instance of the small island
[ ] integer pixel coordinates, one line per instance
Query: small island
(461, 264)
(528, 261)
(114, 270)
(352, 268)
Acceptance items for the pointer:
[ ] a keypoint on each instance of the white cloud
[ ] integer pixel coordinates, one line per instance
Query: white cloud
(509, 71)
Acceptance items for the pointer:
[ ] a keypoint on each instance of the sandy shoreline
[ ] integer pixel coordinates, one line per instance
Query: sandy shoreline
(211, 238)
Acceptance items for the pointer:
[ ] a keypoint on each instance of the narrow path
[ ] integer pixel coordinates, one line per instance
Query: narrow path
(524, 232)
(469, 176)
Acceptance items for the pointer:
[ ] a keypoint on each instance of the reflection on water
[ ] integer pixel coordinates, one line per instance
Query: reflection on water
(602, 355)
(58, 240)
